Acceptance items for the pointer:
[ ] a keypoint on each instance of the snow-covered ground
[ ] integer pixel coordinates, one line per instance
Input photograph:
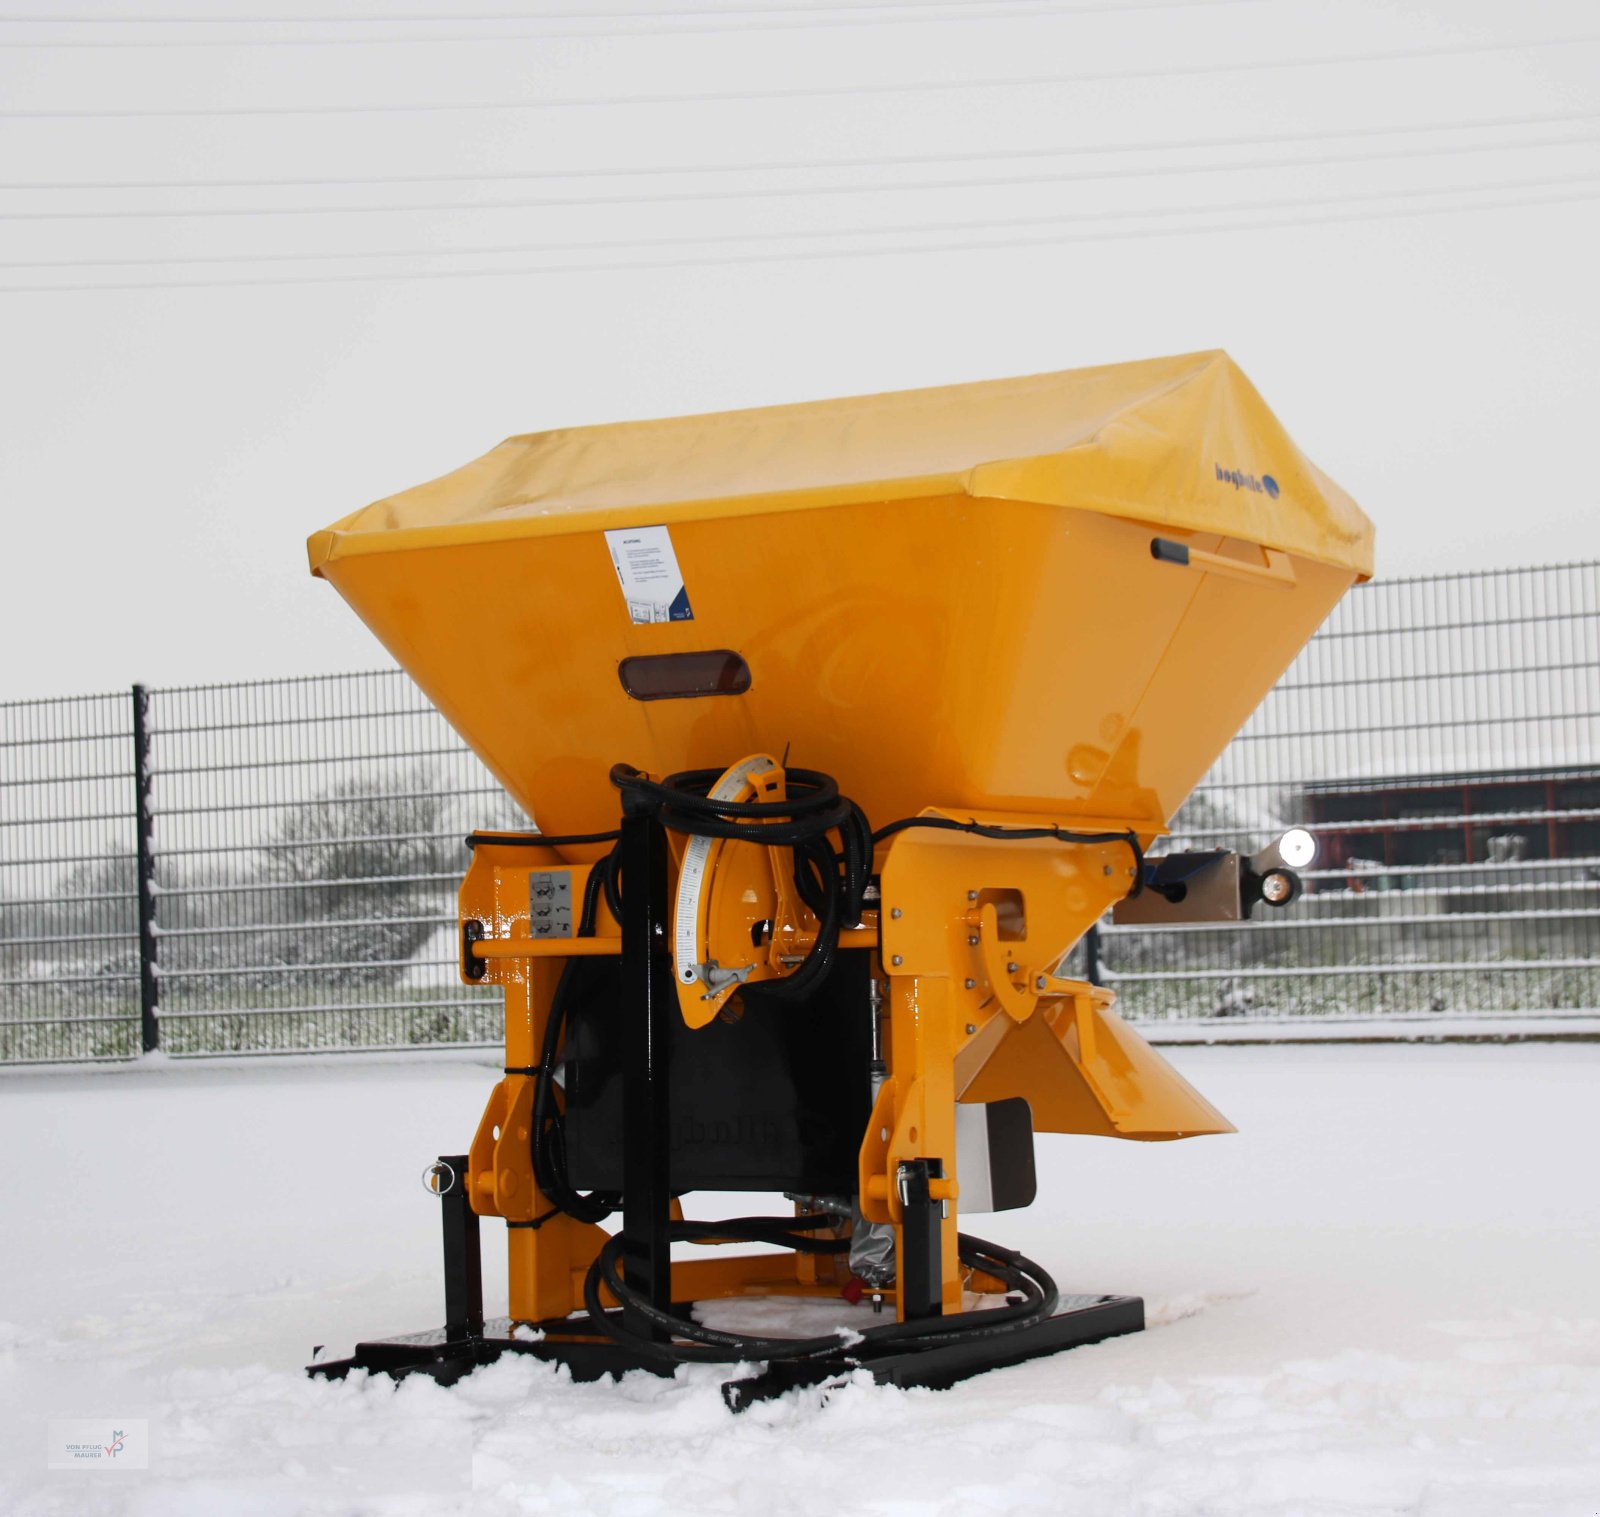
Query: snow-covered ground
(1382, 1296)
(1422, 1027)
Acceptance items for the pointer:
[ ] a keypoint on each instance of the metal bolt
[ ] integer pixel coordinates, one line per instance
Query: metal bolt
(1011, 968)
(897, 961)
(972, 942)
(972, 1027)
(1040, 983)
(1108, 869)
(972, 984)
(896, 913)
(972, 895)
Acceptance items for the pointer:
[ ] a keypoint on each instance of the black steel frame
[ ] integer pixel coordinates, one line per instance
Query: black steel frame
(648, 999)
(145, 860)
(467, 1341)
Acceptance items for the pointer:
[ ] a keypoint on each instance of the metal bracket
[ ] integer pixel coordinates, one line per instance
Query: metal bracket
(473, 931)
(718, 979)
(999, 968)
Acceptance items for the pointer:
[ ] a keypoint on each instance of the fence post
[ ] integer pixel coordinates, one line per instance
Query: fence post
(149, 995)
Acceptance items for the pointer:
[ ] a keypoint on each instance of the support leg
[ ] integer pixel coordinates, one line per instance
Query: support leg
(921, 1255)
(463, 1264)
(648, 1000)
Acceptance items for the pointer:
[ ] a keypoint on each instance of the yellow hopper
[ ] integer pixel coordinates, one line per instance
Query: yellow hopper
(1013, 622)
(944, 597)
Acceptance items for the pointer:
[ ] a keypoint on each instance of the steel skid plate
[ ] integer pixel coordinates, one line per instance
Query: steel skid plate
(589, 1355)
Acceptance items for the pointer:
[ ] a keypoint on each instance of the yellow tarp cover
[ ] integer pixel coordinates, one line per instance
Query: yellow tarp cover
(1183, 442)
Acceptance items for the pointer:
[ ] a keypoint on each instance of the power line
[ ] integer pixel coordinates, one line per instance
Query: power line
(486, 18)
(789, 192)
(814, 255)
(812, 92)
(805, 234)
(767, 166)
(752, 20)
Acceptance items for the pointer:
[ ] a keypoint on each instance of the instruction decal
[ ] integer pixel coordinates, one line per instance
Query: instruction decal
(647, 569)
(550, 903)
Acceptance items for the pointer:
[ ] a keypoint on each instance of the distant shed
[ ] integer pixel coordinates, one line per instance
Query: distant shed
(1466, 818)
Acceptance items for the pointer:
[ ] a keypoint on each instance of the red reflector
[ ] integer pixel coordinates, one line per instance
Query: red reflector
(683, 676)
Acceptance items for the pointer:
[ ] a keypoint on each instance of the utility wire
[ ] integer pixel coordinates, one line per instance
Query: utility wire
(734, 21)
(487, 18)
(812, 92)
(767, 166)
(814, 255)
(790, 192)
(804, 234)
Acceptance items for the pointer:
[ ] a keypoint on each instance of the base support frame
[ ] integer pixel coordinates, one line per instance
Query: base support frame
(590, 1355)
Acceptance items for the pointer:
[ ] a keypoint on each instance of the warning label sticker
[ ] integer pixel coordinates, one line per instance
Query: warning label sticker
(550, 903)
(647, 569)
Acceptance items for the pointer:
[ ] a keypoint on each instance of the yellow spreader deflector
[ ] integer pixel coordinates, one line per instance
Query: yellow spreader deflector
(902, 688)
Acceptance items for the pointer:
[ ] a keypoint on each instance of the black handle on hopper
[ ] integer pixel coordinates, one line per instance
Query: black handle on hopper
(1169, 552)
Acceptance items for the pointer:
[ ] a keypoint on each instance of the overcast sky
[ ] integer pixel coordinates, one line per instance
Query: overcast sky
(167, 450)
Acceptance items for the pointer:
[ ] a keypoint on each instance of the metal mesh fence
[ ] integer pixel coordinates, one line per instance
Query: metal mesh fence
(303, 844)
(1441, 738)
(308, 849)
(69, 941)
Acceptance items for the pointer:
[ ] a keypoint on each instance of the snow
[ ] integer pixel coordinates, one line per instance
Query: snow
(1420, 1027)
(1381, 1296)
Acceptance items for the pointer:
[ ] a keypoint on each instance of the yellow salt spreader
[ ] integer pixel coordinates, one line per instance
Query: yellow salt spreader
(842, 723)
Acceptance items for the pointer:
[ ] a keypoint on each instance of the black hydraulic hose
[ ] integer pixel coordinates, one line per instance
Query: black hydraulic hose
(592, 888)
(1129, 839)
(1039, 1299)
(810, 790)
(789, 1232)
(831, 881)
(539, 839)
(548, 1147)
(1022, 1275)
(609, 874)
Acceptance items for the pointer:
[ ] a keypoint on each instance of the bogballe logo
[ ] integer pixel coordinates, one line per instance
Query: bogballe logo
(1263, 484)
